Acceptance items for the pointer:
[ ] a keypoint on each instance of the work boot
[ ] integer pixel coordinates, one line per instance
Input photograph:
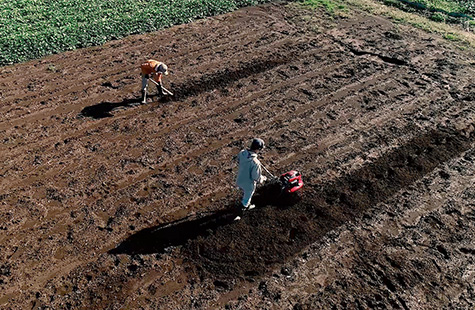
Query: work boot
(249, 207)
(144, 100)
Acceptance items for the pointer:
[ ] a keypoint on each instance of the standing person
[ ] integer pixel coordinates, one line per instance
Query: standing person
(249, 174)
(153, 69)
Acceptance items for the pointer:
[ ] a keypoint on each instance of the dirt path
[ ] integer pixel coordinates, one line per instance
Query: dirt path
(110, 205)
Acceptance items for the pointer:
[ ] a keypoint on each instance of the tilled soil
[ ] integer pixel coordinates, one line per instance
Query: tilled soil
(109, 204)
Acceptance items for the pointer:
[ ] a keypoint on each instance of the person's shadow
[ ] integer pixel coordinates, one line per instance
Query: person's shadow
(104, 109)
(193, 87)
(155, 240)
(269, 236)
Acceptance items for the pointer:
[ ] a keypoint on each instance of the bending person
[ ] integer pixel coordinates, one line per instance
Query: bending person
(152, 69)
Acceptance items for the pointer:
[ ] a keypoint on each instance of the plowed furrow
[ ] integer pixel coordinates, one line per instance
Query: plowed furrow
(77, 85)
(179, 122)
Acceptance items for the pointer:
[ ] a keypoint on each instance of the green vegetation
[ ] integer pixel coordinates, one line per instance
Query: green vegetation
(444, 5)
(34, 28)
(438, 17)
(454, 8)
(453, 12)
(330, 5)
(451, 6)
(463, 36)
(451, 36)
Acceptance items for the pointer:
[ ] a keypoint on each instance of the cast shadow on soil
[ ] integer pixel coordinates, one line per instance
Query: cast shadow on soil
(225, 77)
(156, 240)
(104, 109)
(194, 87)
(269, 235)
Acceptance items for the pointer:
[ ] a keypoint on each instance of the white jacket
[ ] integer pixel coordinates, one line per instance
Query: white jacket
(249, 169)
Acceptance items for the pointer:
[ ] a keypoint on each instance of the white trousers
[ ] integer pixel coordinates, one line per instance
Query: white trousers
(248, 191)
(144, 82)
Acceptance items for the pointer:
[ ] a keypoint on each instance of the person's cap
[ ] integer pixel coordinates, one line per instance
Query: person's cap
(257, 144)
(163, 68)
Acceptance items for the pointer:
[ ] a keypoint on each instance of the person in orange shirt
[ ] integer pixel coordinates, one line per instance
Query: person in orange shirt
(152, 69)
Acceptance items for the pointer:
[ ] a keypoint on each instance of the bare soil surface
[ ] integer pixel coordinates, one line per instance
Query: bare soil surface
(109, 204)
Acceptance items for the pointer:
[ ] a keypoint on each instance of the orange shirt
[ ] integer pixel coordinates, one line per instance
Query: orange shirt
(151, 66)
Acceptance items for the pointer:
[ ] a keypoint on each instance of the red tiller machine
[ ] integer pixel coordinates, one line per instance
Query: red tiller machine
(290, 181)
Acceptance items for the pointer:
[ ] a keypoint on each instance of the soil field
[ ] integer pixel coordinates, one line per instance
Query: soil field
(109, 204)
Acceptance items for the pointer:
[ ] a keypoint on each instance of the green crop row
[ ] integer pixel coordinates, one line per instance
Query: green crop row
(442, 8)
(31, 29)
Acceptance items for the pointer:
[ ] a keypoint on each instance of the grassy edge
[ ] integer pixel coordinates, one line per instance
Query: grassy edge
(446, 31)
(329, 5)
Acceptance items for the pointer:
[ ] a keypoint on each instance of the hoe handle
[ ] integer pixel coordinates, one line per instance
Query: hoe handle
(268, 172)
(166, 90)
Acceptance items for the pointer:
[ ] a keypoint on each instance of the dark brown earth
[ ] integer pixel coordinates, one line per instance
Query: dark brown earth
(108, 204)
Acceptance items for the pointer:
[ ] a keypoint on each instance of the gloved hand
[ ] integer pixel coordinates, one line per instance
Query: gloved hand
(263, 179)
